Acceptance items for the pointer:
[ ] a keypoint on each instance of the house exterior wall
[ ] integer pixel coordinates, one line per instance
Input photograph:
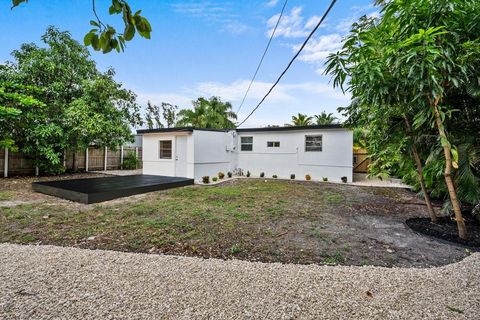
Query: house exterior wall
(333, 162)
(213, 153)
(152, 164)
(209, 152)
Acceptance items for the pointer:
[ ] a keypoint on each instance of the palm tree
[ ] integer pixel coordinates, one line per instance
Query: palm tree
(211, 113)
(301, 120)
(325, 118)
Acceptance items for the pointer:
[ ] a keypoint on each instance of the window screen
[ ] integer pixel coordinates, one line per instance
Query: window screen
(165, 149)
(313, 143)
(273, 144)
(246, 143)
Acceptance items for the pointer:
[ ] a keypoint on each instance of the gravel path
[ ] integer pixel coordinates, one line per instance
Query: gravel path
(46, 282)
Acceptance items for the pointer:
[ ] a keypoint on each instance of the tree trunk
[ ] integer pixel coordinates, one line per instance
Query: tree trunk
(462, 229)
(419, 165)
(74, 160)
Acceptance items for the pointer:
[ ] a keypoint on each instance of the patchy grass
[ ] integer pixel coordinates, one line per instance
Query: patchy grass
(6, 195)
(254, 219)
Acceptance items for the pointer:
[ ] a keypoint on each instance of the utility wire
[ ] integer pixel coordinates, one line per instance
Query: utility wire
(263, 56)
(291, 61)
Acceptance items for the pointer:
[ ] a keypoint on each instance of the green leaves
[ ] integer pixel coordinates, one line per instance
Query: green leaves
(105, 37)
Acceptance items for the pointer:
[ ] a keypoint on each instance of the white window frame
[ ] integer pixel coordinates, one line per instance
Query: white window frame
(160, 149)
(246, 144)
(315, 147)
(275, 144)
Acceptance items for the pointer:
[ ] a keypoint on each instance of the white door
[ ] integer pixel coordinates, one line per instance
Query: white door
(181, 156)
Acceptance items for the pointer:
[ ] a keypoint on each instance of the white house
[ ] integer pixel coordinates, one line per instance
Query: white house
(320, 151)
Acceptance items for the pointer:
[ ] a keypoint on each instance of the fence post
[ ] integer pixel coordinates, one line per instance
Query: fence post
(86, 160)
(5, 164)
(121, 157)
(105, 160)
(136, 156)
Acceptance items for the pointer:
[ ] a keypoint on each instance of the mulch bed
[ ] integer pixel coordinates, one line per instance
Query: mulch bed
(446, 229)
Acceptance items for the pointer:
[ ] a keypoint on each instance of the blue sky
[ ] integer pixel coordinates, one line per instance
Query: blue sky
(205, 48)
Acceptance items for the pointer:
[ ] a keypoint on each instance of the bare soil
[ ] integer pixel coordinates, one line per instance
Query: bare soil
(251, 219)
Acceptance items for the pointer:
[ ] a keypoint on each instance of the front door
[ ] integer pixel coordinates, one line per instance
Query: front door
(181, 156)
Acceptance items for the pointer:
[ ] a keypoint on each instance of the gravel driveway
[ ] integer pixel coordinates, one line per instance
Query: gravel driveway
(46, 282)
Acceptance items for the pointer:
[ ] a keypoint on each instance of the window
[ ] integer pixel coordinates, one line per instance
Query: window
(246, 143)
(313, 143)
(273, 144)
(165, 149)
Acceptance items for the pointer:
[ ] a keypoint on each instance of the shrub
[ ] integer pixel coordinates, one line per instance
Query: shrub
(344, 179)
(221, 175)
(229, 174)
(292, 176)
(308, 177)
(325, 179)
(214, 179)
(262, 174)
(248, 174)
(206, 179)
(274, 176)
(130, 161)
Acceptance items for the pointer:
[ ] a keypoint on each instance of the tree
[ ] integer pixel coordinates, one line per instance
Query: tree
(211, 113)
(412, 60)
(152, 117)
(80, 105)
(169, 113)
(301, 120)
(325, 118)
(104, 37)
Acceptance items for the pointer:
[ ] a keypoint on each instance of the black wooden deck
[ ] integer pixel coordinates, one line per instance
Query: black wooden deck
(93, 190)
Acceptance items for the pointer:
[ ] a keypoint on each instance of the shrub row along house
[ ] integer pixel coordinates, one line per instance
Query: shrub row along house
(321, 151)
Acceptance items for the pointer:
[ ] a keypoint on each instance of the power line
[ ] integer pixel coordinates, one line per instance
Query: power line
(291, 61)
(263, 56)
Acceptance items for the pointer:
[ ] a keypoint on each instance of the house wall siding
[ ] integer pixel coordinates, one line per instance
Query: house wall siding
(209, 152)
(333, 162)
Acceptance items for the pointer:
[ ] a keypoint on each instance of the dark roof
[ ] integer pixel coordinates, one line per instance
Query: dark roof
(287, 128)
(292, 128)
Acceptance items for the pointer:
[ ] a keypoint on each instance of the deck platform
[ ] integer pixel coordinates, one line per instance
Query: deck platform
(94, 190)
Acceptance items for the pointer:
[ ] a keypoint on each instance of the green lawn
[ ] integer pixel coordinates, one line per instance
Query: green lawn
(254, 219)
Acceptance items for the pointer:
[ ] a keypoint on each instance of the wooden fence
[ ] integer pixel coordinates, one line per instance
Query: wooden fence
(17, 163)
(360, 160)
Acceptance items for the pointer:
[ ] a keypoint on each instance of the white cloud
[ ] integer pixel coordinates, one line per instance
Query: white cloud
(290, 26)
(317, 49)
(272, 3)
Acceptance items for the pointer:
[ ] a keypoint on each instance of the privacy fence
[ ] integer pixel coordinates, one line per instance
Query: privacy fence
(92, 159)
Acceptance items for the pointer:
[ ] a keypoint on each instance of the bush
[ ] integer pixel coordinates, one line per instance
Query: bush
(325, 179)
(130, 161)
(206, 179)
(308, 177)
(214, 179)
(262, 174)
(344, 179)
(292, 176)
(229, 174)
(274, 176)
(248, 174)
(221, 175)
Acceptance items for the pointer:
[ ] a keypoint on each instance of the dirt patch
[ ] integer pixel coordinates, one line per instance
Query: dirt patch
(446, 229)
(251, 219)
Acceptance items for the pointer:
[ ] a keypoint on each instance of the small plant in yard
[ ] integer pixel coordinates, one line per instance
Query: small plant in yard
(214, 179)
(229, 174)
(325, 179)
(292, 176)
(344, 179)
(130, 161)
(274, 176)
(206, 179)
(308, 177)
(234, 249)
(262, 174)
(248, 174)
(221, 175)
